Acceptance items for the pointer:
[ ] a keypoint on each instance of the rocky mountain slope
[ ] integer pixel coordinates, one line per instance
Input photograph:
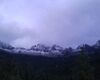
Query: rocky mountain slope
(50, 51)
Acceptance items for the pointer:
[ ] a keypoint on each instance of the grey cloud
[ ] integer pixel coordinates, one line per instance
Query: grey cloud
(63, 22)
(10, 32)
(75, 26)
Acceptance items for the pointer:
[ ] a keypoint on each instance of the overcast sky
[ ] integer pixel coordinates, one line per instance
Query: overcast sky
(64, 22)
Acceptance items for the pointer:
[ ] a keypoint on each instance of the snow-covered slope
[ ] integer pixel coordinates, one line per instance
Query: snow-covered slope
(51, 51)
(39, 49)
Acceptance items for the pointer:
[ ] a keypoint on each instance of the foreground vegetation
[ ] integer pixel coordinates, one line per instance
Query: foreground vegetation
(24, 67)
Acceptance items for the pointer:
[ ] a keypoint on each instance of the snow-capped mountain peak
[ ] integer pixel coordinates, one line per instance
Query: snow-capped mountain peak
(54, 50)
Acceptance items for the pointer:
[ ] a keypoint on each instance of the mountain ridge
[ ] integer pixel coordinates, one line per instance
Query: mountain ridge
(51, 51)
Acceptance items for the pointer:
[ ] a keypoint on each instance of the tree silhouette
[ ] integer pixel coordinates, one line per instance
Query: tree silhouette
(82, 70)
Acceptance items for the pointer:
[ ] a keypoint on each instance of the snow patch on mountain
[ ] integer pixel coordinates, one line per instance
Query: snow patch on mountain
(50, 51)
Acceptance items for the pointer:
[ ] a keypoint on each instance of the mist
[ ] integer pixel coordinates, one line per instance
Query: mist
(24, 23)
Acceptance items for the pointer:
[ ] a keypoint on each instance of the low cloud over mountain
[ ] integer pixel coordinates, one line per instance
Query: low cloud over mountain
(63, 22)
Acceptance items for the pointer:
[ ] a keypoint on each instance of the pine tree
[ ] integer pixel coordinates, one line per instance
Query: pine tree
(82, 69)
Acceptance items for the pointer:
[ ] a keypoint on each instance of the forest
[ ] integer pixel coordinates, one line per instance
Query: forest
(26, 67)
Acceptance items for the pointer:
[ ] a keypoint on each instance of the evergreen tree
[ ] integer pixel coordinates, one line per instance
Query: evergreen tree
(82, 69)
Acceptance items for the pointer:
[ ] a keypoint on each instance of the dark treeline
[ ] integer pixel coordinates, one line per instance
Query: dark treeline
(25, 67)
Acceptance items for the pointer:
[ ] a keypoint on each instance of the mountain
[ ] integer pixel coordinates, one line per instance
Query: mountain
(40, 47)
(37, 50)
(40, 62)
(50, 51)
(5, 45)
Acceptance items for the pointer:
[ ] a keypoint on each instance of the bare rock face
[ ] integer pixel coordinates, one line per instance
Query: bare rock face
(47, 50)
(40, 47)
